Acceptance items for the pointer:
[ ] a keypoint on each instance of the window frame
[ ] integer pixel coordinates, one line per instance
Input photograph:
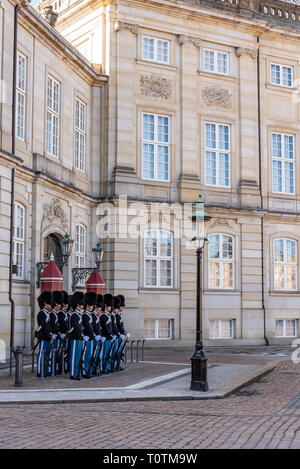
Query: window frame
(21, 241)
(80, 254)
(217, 150)
(221, 262)
(156, 327)
(156, 143)
(281, 75)
(155, 48)
(283, 160)
(82, 133)
(220, 337)
(21, 92)
(284, 263)
(284, 327)
(159, 258)
(54, 115)
(216, 52)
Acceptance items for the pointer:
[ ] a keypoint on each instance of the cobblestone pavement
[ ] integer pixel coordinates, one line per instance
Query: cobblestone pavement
(263, 415)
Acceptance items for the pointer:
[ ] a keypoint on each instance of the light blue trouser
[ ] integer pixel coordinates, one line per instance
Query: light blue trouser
(114, 349)
(43, 349)
(119, 341)
(96, 349)
(87, 356)
(76, 349)
(64, 343)
(106, 347)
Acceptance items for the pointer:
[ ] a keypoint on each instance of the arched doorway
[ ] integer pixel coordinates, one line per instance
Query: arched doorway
(52, 245)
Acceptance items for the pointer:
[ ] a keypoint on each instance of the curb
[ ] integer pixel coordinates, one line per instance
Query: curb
(220, 393)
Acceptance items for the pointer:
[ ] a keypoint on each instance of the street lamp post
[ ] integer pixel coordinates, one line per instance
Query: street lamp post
(199, 361)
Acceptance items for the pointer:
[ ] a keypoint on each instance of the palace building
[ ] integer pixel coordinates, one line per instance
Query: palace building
(156, 101)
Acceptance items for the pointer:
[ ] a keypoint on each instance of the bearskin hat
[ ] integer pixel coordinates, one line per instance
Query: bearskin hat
(122, 300)
(99, 301)
(45, 298)
(116, 302)
(66, 297)
(90, 299)
(77, 299)
(108, 299)
(58, 298)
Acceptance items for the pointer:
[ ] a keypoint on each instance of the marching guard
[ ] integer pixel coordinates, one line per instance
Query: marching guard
(107, 332)
(63, 327)
(76, 335)
(98, 341)
(88, 331)
(43, 333)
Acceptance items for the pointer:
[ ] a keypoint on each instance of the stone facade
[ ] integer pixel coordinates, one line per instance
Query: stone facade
(110, 36)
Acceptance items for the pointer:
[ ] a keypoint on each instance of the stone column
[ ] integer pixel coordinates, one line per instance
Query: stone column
(248, 113)
(190, 167)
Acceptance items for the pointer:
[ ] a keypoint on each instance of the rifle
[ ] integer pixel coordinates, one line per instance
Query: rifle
(120, 357)
(97, 362)
(107, 357)
(59, 352)
(32, 356)
(80, 363)
(115, 355)
(92, 361)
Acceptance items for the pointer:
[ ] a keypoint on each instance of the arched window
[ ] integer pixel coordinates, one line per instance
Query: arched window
(220, 261)
(285, 264)
(158, 259)
(19, 240)
(80, 248)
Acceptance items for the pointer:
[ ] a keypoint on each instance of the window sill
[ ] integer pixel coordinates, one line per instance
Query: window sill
(284, 89)
(228, 78)
(157, 64)
(22, 282)
(159, 290)
(222, 292)
(284, 293)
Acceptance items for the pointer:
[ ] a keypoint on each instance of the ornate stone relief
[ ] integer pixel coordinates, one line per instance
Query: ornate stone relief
(53, 212)
(50, 15)
(217, 96)
(221, 222)
(245, 51)
(134, 28)
(156, 86)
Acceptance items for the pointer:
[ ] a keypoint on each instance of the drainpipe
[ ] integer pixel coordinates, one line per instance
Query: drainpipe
(261, 194)
(13, 150)
(12, 310)
(14, 92)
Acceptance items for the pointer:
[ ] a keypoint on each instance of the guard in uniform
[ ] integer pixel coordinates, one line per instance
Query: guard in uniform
(106, 331)
(115, 347)
(58, 298)
(120, 324)
(63, 327)
(98, 343)
(90, 299)
(76, 335)
(43, 333)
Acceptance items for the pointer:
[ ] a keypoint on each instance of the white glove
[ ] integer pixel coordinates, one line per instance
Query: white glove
(54, 336)
(122, 336)
(114, 337)
(103, 339)
(86, 338)
(62, 336)
(97, 338)
(128, 335)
